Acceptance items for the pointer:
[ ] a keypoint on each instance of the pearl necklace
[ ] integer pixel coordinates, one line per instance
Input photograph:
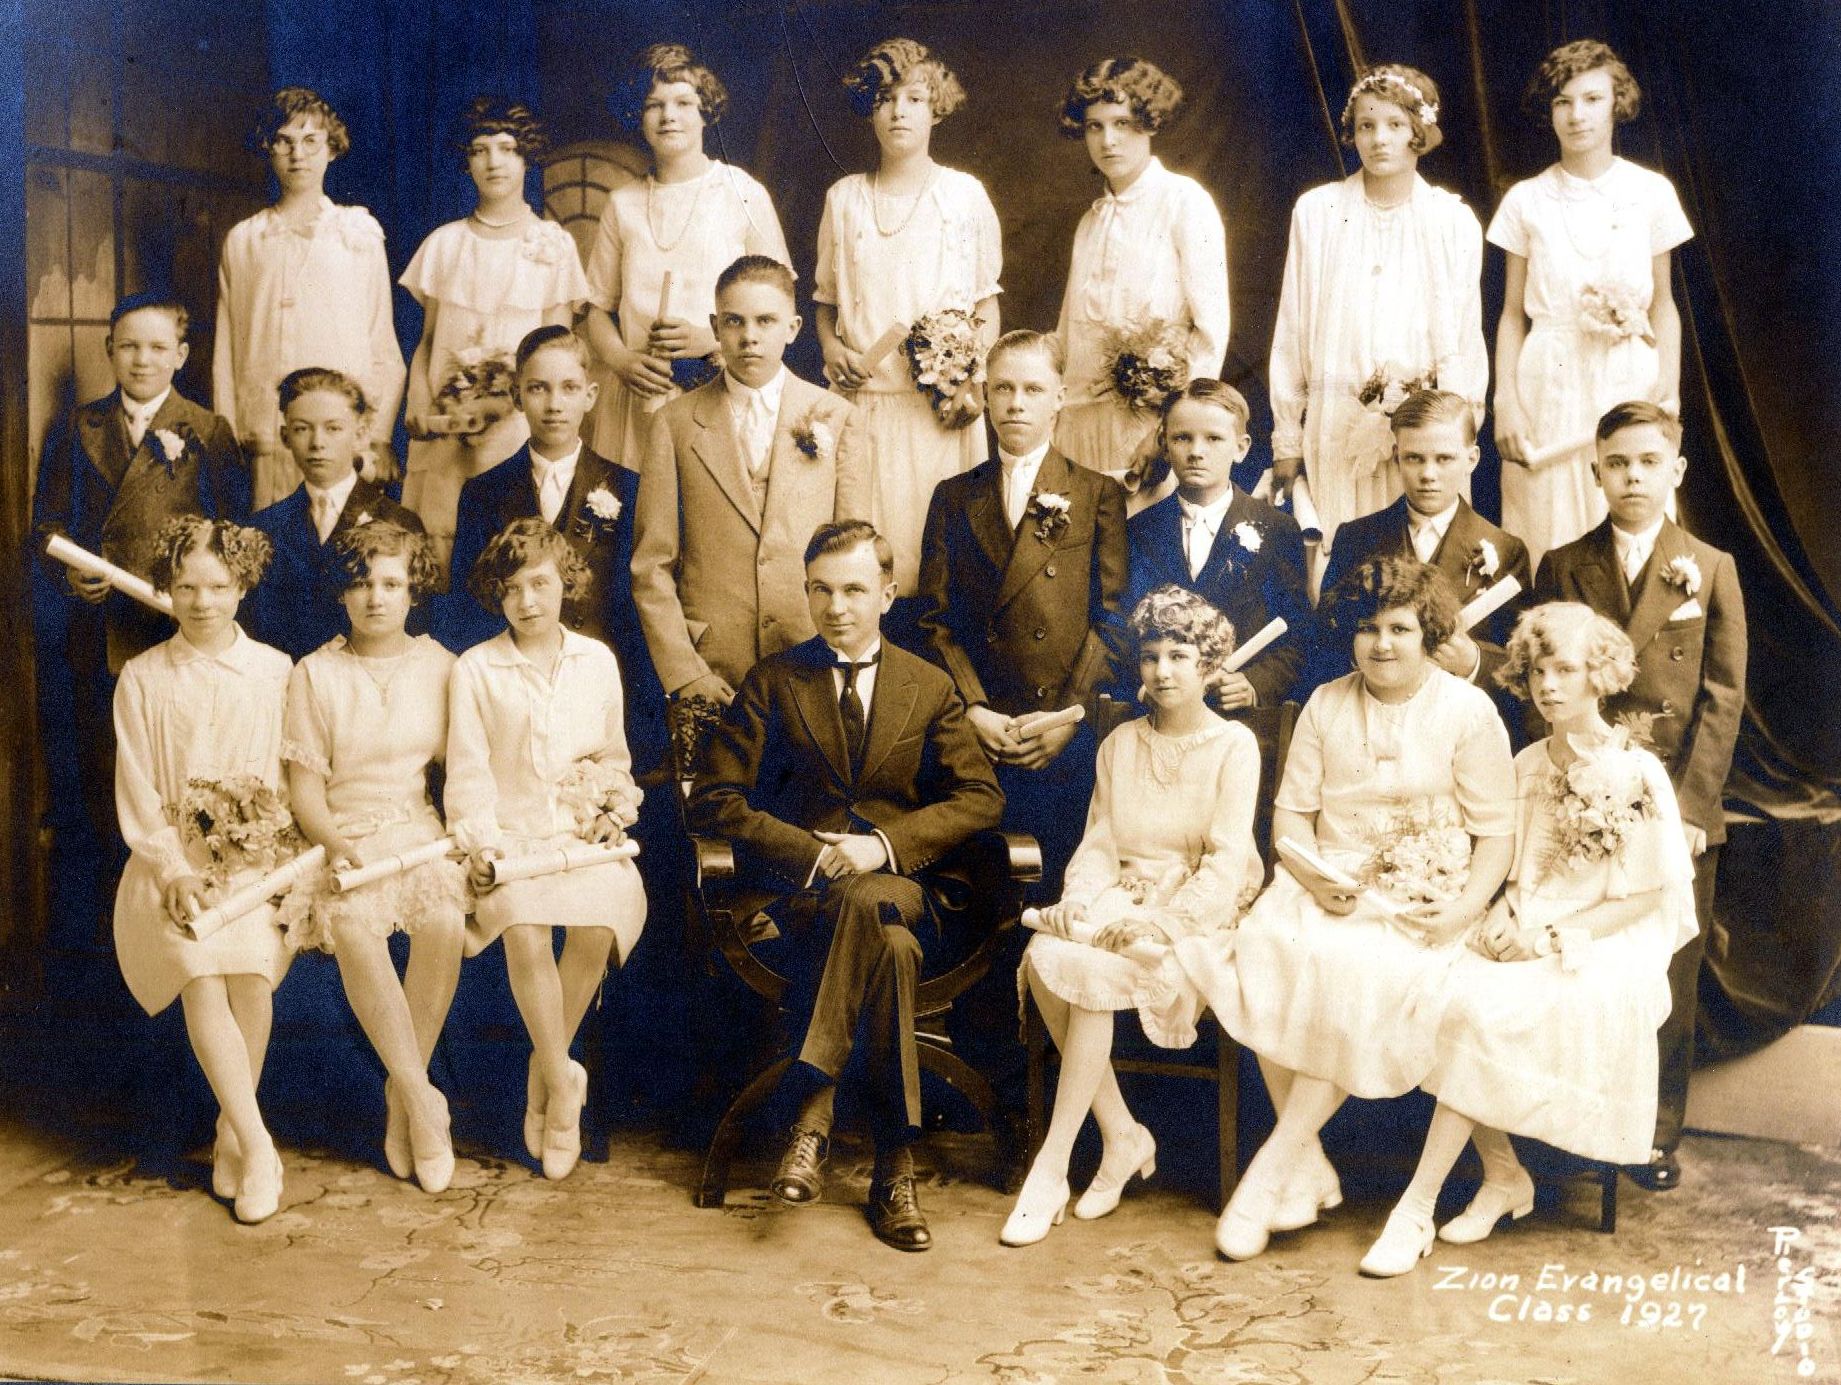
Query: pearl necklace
(500, 225)
(656, 231)
(875, 203)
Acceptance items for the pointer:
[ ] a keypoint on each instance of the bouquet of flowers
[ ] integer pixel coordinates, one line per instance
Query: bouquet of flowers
(945, 355)
(1418, 861)
(591, 788)
(1388, 387)
(1614, 311)
(475, 396)
(1597, 801)
(1145, 362)
(1368, 441)
(232, 825)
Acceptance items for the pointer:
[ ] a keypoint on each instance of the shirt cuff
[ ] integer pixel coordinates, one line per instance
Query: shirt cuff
(892, 866)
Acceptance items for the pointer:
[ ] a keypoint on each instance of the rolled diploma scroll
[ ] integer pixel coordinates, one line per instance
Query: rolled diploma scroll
(1302, 507)
(1486, 603)
(664, 298)
(1292, 853)
(1144, 950)
(561, 858)
(1048, 721)
(879, 348)
(121, 579)
(344, 880)
(257, 893)
(1254, 647)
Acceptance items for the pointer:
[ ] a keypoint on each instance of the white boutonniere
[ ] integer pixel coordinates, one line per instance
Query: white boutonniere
(603, 504)
(364, 517)
(1051, 511)
(1248, 536)
(169, 445)
(1683, 573)
(814, 439)
(1484, 560)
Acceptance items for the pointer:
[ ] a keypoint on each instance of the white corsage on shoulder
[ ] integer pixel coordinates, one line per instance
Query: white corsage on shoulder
(1683, 572)
(171, 445)
(1248, 536)
(1051, 511)
(1484, 560)
(814, 439)
(603, 504)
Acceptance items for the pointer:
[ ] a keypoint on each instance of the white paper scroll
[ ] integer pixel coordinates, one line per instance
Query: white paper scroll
(1048, 721)
(664, 297)
(257, 893)
(121, 579)
(1144, 951)
(1486, 603)
(1253, 648)
(1294, 853)
(347, 880)
(579, 856)
(1301, 507)
(880, 348)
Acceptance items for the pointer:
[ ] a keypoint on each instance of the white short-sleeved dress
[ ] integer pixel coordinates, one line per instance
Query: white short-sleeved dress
(371, 727)
(1569, 1057)
(1156, 253)
(694, 230)
(515, 739)
(1169, 839)
(880, 268)
(490, 294)
(1580, 234)
(181, 715)
(1352, 999)
(287, 299)
(1390, 290)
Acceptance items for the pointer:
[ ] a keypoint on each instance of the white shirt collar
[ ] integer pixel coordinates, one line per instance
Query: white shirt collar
(1642, 541)
(503, 650)
(542, 468)
(1142, 185)
(1208, 516)
(839, 658)
(236, 656)
(740, 394)
(145, 412)
(866, 675)
(1440, 524)
(339, 492)
(1030, 462)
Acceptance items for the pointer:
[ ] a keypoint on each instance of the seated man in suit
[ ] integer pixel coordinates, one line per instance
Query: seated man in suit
(556, 477)
(1679, 601)
(296, 605)
(1435, 447)
(1243, 556)
(737, 475)
(842, 768)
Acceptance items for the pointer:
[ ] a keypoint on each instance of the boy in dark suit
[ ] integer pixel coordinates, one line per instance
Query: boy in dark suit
(296, 607)
(841, 769)
(1678, 599)
(1241, 555)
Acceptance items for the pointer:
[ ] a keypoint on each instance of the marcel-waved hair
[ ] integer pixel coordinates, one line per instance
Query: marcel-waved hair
(1150, 93)
(1023, 339)
(496, 115)
(1175, 613)
(662, 65)
(154, 301)
(550, 336)
(314, 378)
(298, 102)
(243, 551)
(1387, 584)
(521, 544)
(757, 269)
(1634, 413)
(846, 534)
(1207, 390)
(1405, 87)
(1563, 627)
(1575, 59)
(1427, 408)
(356, 548)
(892, 62)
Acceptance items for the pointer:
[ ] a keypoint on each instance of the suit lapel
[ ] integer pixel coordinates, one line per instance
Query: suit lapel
(1030, 554)
(103, 431)
(985, 513)
(1168, 559)
(889, 711)
(1655, 598)
(716, 446)
(1601, 580)
(1452, 556)
(816, 698)
(1226, 545)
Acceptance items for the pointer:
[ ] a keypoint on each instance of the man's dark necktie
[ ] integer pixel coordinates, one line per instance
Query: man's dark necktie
(850, 708)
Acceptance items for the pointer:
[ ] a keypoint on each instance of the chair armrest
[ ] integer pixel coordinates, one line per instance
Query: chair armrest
(1025, 855)
(715, 860)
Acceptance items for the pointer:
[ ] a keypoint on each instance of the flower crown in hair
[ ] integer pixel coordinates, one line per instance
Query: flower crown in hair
(1375, 82)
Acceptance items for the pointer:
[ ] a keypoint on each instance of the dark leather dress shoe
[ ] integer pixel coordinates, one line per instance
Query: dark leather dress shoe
(800, 1177)
(895, 1213)
(1661, 1174)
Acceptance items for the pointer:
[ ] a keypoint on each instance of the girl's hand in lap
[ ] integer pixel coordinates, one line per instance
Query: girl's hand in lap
(479, 868)
(1438, 924)
(1121, 934)
(1059, 919)
(604, 829)
(186, 898)
(1331, 897)
(1497, 931)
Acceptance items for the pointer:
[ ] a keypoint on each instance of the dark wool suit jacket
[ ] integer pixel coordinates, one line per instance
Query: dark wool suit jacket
(1025, 619)
(1248, 585)
(777, 770)
(296, 605)
(1690, 654)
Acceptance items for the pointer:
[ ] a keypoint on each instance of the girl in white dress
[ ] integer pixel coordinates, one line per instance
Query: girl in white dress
(367, 715)
(483, 282)
(909, 239)
(1399, 775)
(1150, 253)
(1588, 307)
(1168, 853)
(302, 283)
(1550, 1024)
(691, 217)
(1382, 289)
(204, 708)
(537, 758)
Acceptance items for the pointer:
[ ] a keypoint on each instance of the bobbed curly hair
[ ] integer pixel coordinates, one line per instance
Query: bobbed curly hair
(356, 548)
(292, 102)
(1175, 613)
(1151, 94)
(661, 65)
(1388, 584)
(1568, 627)
(497, 115)
(525, 543)
(243, 551)
(1411, 90)
(1572, 60)
(892, 62)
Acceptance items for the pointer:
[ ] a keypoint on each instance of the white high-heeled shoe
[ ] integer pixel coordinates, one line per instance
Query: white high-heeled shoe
(397, 1152)
(226, 1162)
(1139, 1153)
(562, 1144)
(1040, 1205)
(1487, 1208)
(260, 1193)
(1314, 1188)
(1245, 1224)
(1404, 1242)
